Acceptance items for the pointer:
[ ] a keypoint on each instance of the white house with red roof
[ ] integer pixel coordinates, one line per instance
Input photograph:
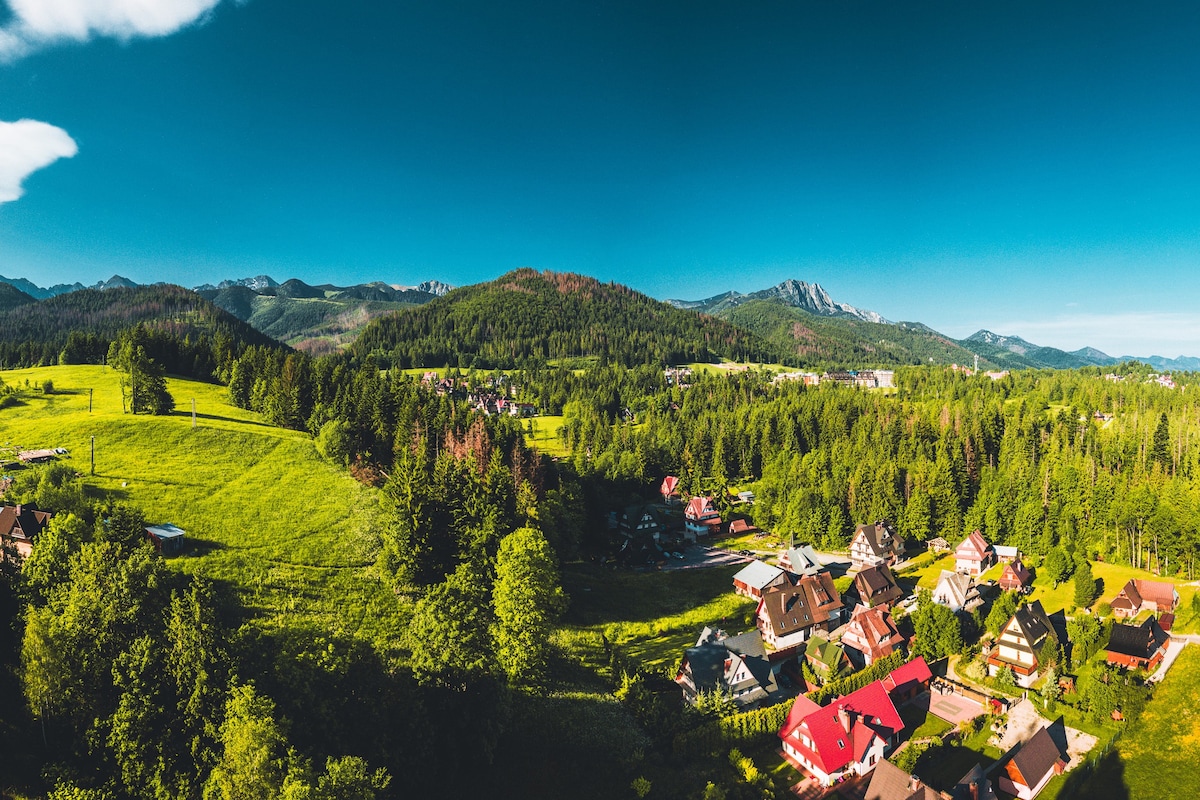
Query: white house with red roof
(974, 555)
(670, 489)
(701, 518)
(849, 736)
(871, 634)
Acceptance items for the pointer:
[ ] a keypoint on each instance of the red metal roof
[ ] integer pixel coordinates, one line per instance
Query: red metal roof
(872, 714)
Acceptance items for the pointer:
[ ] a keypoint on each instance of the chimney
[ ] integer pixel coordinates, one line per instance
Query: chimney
(914, 783)
(844, 718)
(974, 787)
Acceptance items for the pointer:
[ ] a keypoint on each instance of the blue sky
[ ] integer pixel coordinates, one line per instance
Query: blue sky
(1032, 168)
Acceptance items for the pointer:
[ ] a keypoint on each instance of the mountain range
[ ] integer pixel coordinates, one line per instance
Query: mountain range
(794, 321)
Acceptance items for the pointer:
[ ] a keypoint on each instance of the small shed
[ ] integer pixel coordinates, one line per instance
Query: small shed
(167, 538)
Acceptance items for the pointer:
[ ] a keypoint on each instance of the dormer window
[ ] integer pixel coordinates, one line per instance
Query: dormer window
(841, 744)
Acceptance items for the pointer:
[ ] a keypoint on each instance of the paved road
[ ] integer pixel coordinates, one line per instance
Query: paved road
(701, 557)
(1178, 642)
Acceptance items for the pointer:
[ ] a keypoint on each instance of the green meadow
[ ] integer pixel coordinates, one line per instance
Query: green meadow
(291, 532)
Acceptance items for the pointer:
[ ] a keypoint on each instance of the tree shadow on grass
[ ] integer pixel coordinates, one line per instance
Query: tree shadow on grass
(1103, 779)
(188, 413)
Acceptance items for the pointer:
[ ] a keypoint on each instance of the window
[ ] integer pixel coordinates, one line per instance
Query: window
(841, 743)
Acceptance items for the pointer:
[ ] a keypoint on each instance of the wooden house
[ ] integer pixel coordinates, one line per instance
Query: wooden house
(1138, 646)
(974, 555)
(874, 544)
(641, 521)
(736, 665)
(889, 782)
(1015, 577)
(828, 660)
(1032, 766)
(1137, 596)
(1021, 642)
(701, 518)
(19, 526)
(957, 591)
(871, 635)
(802, 560)
(788, 615)
(876, 586)
(670, 490)
(937, 545)
(1006, 553)
(758, 576)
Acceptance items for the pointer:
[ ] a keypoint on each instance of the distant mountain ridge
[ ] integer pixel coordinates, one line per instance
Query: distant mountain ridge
(1016, 353)
(810, 297)
(38, 293)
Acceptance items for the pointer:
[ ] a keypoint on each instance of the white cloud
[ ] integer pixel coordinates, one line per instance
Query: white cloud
(25, 147)
(36, 23)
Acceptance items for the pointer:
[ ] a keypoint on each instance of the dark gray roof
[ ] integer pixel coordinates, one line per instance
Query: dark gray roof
(1036, 757)
(1034, 623)
(1139, 641)
(706, 663)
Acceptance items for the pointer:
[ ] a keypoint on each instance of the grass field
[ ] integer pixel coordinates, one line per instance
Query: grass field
(291, 531)
(545, 436)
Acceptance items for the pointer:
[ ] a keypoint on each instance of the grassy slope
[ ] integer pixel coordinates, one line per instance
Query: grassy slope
(292, 532)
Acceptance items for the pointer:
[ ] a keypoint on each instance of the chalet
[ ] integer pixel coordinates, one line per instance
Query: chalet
(1015, 577)
(1006, 554)
(1032, 766)
(957, 592)
(870, 635)
(938, 545)
(1138, 646)
(1137, 596)
(788, 615)
(701, 518)
(736, 665)
(166, 538)
(756, 577)
(802, 560)
(851, 735)
(908, 680)
(875, 544)
(19, 526)
(876, 586)
(974, 555)
(828, 660)
(1020, 643)
(640, 520)
(670, 490)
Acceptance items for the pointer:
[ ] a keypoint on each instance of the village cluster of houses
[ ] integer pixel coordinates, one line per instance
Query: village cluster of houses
(800, 618)
(20, 526)
(494, 397)
(1165, 380)
(863, 379)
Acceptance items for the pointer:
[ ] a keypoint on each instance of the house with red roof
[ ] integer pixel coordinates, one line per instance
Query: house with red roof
(849, 736)
(908, 680)
(974, 555)
(1015, 577)
(1137, 596)
(871, 635)
(701, 518)
(670, 490)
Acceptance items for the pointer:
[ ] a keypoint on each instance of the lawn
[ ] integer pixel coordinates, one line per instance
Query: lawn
(290, 530)
(545, 436)
(919, 723)
(651, 616)
(1111, 578)
(927, 577)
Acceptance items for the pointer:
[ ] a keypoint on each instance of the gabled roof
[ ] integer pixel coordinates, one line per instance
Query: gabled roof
(716, 658)
(1015, 571)
(787, 609)
(22, 522)
(741, 525)
(879, 537)
(1138, 641)
(973, 548)
(889, 782)
(904, 677)
(758, 574)
(1034, 624)
(1128, 597)
(874, 625)
(802, 560)
(958, 588)
(877, 585)
(1006, 551)
(1159, 592)
(831, 654)
(871, 714)
(983, 786)
(670, 485)
(699, 507)
(1037, 757)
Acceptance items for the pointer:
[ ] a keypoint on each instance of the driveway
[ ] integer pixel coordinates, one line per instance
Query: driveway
(1024, 721)
(950, 707)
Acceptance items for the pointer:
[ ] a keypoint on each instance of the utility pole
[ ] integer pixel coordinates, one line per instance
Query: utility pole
(193, 412)
(89, 401)
(93, 455)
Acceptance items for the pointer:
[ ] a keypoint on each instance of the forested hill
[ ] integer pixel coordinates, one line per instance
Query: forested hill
(78, 327)
(822, 341)
(11, 297)
(543, 315)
